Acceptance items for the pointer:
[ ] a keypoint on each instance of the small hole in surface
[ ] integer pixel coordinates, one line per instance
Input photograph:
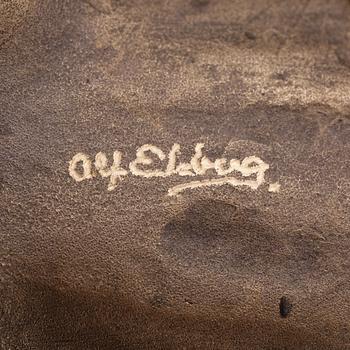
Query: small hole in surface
(285, 307)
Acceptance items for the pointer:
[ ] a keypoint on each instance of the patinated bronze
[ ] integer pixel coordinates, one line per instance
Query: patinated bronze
(174, 174)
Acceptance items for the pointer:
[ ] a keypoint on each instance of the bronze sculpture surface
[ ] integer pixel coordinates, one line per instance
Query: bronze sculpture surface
(158, 250)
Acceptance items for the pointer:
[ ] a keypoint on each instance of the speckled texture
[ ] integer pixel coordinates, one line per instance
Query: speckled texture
(84, 268)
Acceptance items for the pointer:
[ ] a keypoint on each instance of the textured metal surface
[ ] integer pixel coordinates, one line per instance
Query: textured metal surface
(133, 268)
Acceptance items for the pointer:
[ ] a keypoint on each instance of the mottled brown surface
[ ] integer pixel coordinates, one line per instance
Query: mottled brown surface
(84, 268)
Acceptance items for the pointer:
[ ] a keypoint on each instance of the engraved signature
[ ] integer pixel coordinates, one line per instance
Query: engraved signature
(81, 167)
